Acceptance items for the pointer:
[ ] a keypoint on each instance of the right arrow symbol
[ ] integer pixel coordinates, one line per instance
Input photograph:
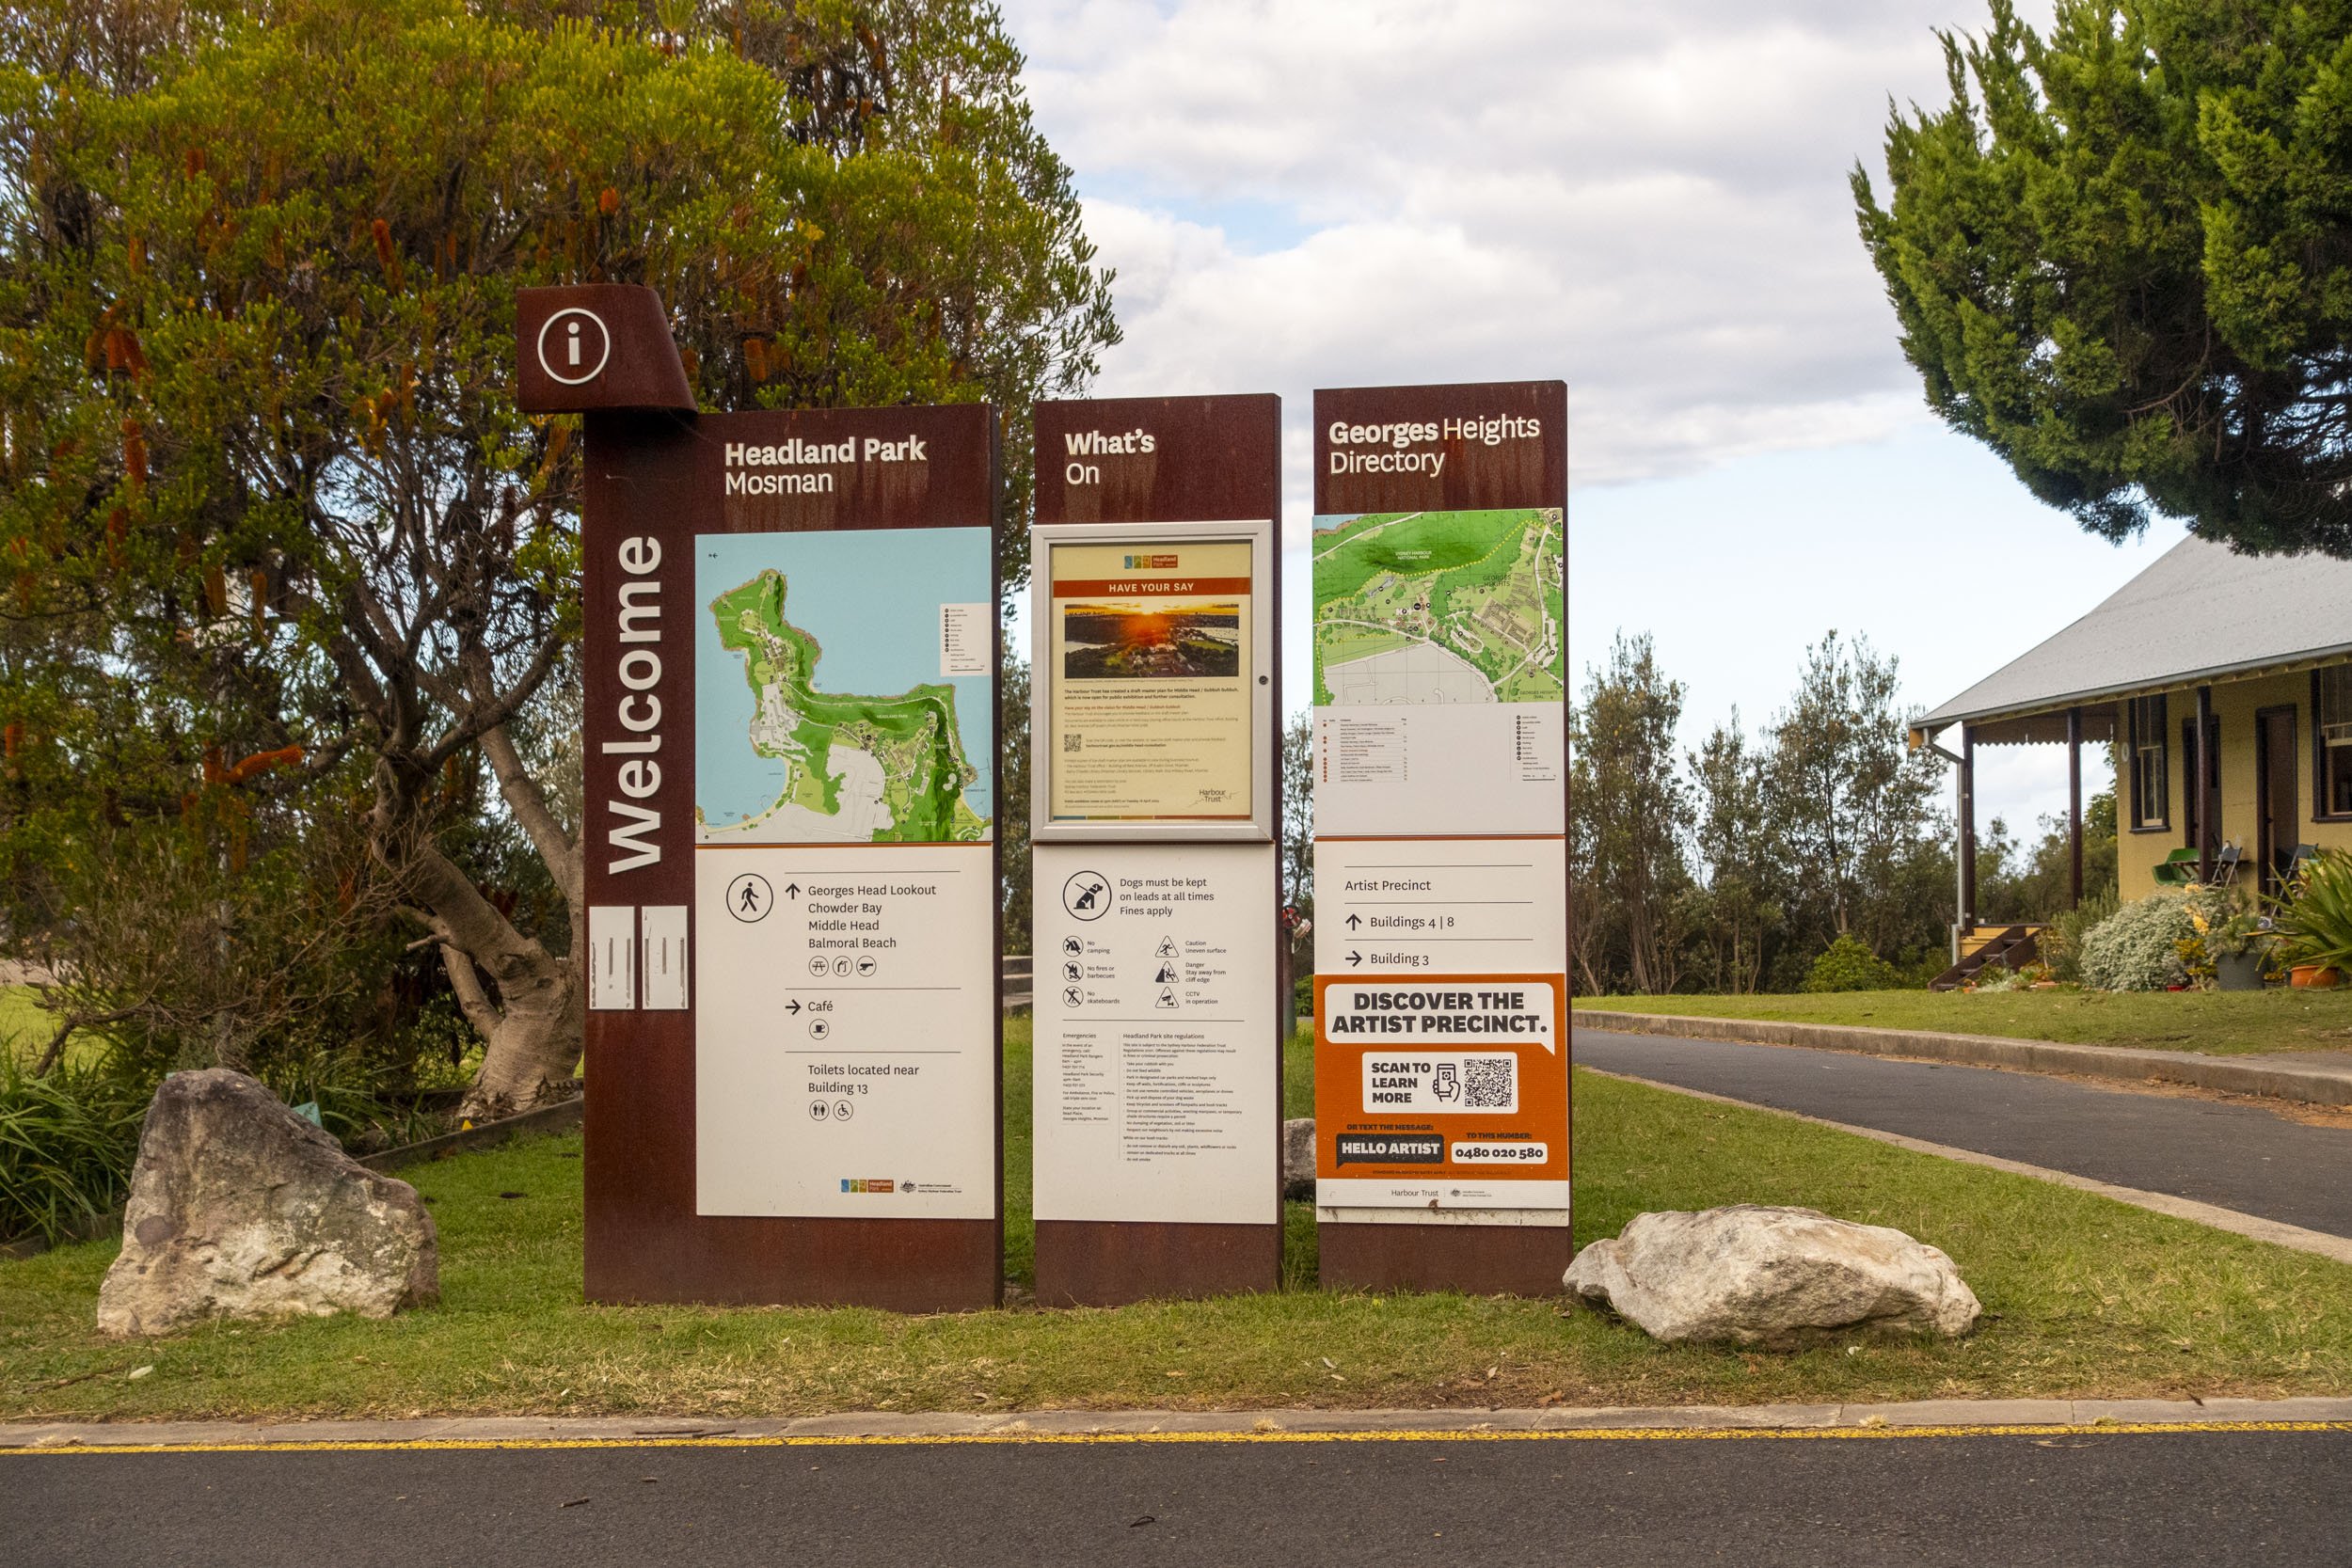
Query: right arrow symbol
(792, 1007)
(1354, 958)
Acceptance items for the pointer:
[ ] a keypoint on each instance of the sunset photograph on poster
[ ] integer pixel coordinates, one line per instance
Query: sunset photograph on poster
(1192, 639)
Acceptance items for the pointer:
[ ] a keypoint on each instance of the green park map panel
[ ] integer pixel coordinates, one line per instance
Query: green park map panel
(911, 737)
(1439, 607)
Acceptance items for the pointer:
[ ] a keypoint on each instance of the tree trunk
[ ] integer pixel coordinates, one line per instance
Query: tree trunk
(532, 1027)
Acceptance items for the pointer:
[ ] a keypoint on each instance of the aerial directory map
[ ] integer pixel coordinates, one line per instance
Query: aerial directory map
(1439, 606)
(822, 716)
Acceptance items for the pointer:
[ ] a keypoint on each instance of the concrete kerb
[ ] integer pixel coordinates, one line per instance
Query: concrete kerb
(2311, 1085)
(1918, 1416)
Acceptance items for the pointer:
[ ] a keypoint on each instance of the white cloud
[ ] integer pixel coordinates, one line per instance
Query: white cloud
(1648, 200)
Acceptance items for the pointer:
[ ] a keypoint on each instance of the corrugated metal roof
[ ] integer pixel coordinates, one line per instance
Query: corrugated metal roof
(2201, 612)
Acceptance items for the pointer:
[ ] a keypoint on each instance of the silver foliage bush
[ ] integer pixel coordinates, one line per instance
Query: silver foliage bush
(2137, 947)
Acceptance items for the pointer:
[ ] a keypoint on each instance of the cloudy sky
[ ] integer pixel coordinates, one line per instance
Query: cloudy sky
(1648, 201)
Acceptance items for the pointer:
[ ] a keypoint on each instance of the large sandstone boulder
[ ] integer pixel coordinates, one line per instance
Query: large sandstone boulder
(1298, 1159)
(1776, 1278)
(241, 1209)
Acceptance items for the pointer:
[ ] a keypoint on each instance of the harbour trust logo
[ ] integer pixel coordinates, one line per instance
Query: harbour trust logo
(1150, 562)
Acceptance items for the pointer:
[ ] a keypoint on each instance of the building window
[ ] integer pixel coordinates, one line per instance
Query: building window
(2193, 800)
(2150, 808)
(2332, 743)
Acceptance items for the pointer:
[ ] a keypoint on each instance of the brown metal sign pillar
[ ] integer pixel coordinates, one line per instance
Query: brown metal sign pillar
(662, 484)
(1185, 465)
(1442, 1034)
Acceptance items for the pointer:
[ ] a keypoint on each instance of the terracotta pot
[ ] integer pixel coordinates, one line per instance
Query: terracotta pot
(2315, 976)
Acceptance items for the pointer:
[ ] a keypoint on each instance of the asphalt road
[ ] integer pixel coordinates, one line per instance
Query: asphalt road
(2113, 1499)
(2235, 1156)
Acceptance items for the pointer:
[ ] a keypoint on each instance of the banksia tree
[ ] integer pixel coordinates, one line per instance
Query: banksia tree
(263, 490)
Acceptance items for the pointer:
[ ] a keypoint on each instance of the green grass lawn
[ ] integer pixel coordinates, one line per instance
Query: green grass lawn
(2223, 1024)
(2084, 1297)
(24, 1029)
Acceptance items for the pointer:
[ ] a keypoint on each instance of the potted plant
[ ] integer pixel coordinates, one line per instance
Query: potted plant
(2315, 922)
(2238, 948)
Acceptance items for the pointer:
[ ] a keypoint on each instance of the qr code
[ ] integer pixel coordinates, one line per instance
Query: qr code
(1488, 1084)
(1070, 742)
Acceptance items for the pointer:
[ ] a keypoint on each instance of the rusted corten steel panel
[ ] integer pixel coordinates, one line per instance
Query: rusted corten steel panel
(655, 477)
(1475, 1258)
(1476, 477)
(1214, 459)
(1111, 1263)
(596, 346)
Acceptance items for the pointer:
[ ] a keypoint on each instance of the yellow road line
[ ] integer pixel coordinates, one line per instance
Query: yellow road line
(1409, 1434)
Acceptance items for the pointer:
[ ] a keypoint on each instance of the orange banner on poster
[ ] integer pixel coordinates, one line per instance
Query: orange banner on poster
(1448, 1090)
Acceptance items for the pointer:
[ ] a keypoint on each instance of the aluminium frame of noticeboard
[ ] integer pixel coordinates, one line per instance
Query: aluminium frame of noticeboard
(1259, 825)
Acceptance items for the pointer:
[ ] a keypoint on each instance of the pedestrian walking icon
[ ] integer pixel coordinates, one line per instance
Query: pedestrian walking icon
(1086, 896)
(750, 897)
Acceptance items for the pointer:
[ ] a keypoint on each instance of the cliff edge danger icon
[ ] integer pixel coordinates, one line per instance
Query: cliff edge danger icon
(574, 344)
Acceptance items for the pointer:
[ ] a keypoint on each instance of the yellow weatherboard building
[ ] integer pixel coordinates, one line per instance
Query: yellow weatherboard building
(2232, 670)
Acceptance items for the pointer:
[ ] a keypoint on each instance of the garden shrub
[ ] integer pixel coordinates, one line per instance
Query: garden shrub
(2062, 941)
(1849, 965)
(67, 1141)
(2139, 946)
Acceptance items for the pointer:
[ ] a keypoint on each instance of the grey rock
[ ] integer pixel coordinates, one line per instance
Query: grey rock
(1778, 1278)
(241, 1209)
(1298, 1159)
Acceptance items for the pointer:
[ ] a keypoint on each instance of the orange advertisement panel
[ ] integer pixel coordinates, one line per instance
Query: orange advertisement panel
(1441, 1092)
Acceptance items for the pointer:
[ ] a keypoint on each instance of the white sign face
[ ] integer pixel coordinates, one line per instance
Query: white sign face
(1440, 1081)
(1155, 1033)
(967, 638)
(1439, 671)
(1440, 906)
(845, 1039)
(1397, 769)
(611, 958)
(662, 957)
(1442, 976)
